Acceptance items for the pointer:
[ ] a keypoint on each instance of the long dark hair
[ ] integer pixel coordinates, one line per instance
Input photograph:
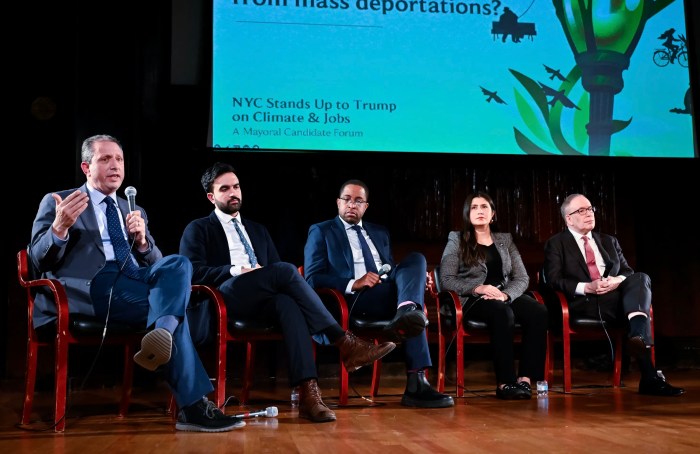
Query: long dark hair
(472, 255)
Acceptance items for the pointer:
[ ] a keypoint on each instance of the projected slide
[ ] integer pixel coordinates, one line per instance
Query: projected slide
(439, 76)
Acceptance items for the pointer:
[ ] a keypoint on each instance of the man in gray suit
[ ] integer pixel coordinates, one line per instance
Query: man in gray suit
(103, 254)
(590, 269)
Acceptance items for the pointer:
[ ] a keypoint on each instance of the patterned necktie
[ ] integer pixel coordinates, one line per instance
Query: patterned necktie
(116, 235)
(366, 251)
(246, 244)
(590, 259)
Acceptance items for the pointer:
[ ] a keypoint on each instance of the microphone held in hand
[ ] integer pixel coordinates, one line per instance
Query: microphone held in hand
(608, 267)
(269, 412)
(130, 193)
(384, 269)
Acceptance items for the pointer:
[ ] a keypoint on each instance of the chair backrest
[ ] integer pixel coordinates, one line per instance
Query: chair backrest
(436, 279)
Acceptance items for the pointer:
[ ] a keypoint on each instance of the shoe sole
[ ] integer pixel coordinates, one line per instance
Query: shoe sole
(197, 428)
(307, 416)
(390, 348)
(156, 348)
(410, 325)
(416, 403)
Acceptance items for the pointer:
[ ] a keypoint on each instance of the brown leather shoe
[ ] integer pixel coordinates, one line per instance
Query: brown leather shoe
(356, 352)
(310, 404)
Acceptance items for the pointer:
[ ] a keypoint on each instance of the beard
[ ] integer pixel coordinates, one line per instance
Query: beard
(232, 206)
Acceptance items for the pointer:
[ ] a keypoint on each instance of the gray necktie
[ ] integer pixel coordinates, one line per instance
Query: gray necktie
(366, 251)
(246, 245)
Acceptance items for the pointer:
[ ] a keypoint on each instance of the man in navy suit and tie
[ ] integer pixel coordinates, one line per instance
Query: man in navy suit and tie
(238, 257)
(346, 254)
(80, 238)
(590, 269)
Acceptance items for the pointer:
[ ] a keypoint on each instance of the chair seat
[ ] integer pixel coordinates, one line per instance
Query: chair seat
(591, 323)
(478, 324)
(83, 326)
(358, 324)
(252, 327)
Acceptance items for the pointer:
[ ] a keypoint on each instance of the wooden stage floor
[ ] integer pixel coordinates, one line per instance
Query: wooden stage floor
(593, 418)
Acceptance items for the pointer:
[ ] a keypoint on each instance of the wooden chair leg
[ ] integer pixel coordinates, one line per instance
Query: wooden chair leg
(376, 373)
(61, 382)
(617, 371)
(248, 372)
(442, 360)
(29, 381)
(460, 364)
(220, 374)
(566, 341)
(343, 385)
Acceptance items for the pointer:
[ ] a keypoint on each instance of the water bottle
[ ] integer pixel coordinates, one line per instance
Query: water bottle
(542, 388)
(295, 397)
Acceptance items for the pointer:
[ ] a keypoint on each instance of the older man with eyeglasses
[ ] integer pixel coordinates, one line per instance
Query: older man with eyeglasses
(590, 269)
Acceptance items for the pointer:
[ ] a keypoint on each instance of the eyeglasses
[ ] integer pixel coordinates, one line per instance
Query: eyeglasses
(357, 202)
(583, 211)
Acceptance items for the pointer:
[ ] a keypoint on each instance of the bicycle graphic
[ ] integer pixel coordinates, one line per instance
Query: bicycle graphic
(662, 57)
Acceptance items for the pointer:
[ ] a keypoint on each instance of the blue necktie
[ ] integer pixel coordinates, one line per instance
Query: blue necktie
(246, 245)
(366, 251)
(116, 235)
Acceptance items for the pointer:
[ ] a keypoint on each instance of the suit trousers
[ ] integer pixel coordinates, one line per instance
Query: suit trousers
(500, 318)
(161, 289)
(632, 295)
(279, 292)
(405, 283)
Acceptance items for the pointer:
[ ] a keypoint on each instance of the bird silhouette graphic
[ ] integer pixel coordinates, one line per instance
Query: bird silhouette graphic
(554, 73)
(492, 95)
(557, 95)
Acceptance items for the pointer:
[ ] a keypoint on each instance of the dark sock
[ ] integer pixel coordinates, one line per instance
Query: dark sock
(638, 326)
(646, 366)
(333, 333)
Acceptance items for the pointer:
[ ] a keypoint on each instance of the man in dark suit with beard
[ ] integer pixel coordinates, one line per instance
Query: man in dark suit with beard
(238, 257)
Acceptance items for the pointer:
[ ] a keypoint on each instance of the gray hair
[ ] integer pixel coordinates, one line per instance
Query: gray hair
(87, 151)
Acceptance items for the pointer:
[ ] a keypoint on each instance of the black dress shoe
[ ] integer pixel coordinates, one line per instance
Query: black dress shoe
(419, 393)
(658, 386)
(409, 321)
(512, 391)
(525, 386)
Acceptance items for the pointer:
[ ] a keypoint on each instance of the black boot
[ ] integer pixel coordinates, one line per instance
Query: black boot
(419, 393)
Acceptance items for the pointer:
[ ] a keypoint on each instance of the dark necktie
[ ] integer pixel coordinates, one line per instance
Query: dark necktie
(246, 245)
(590, 259)
(366, 251)
(116, 235)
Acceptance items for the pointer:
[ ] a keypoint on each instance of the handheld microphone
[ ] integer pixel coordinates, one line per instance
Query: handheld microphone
(269, 412)
(384, 269)
(130, 193)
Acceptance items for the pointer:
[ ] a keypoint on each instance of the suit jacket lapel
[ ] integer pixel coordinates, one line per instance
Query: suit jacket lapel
(89, 220)
(341, 236)
(599, 242)
(571, 244)
(374, 236)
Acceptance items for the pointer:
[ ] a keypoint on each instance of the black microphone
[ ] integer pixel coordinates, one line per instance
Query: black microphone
(130, 193)
(384, 269)
(608, 266)
(269, 412)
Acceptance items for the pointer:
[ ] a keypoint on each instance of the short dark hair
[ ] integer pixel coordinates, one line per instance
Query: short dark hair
(213, 172)
(356, 183)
